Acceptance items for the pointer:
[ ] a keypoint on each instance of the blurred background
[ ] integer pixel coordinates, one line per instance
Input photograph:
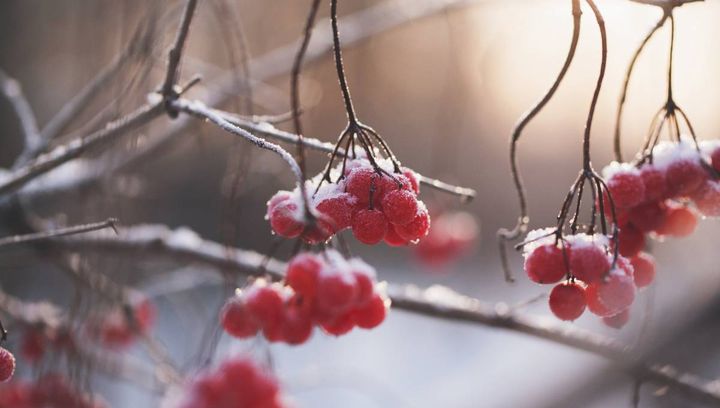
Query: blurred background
(444, 90)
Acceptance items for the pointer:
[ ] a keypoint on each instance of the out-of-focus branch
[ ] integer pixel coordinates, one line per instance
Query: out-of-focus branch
(12, 90)
(438, 302)
(61, 232)
(175, 53)
(665, 4)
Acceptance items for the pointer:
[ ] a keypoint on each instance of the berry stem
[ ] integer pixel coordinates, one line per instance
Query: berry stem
(337, 52)
(603, 64)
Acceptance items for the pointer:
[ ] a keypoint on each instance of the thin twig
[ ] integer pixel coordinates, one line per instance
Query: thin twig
(175, 53)
(437, 302)
(61, 232)
(12, 90)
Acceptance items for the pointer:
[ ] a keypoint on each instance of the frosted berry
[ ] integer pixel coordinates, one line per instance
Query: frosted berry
(546, 264)
(626, 189)
(302, 274)
(394, 239)
(617, 321)
(589, 263)
(617, 293)
(417, 228)
(369, 226)
(278, 198)
(594, 304)
(371, 314)
(644, 267)
(567, 301)
(360, 182)
(707, 199)
(237, 320)
(365, 287)
(336, 292)
(630, 240)
(648, 217)
(283, 220)
(400, 206)
(655, 183)
(297, 326)
(265, 304)
(340, 325)
(679, 222)
(715, 157)
(338, 211)
(7, 364)
(414, 181)
(684, 177)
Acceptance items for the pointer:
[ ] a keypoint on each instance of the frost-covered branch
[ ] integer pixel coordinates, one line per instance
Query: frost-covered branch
(438, 302)
(60, 232)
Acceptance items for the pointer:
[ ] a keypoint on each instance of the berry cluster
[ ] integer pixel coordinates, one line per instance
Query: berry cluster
(236, 383)
(328, 291)
(452, 234)
(590, 277)
(119, 327)
(7, 364)
(49, 391)
(36, 340)
(375, 203)
(663, 197)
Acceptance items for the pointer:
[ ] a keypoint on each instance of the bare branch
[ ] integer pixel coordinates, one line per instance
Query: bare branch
(437, 302)
(175, 53)
(62, 232)
(12, 90)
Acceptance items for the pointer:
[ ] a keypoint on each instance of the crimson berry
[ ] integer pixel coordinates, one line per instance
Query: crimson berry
(394, 239)
(417, 228)
(715, 156)
(283, 220)
(679, 222)
(630, 240)
(655, 182)
(546, 264)
(589, 263)
(340, 325)
(33, 345)
(315, 234)
(648, 217)
(237, 320)
(360, 182)
(644, 267)
(414, 181)
(338, 211)
(336, 292)
(265, 304)
(297, 326)
(372, 313)
(616, 293)
(567, 301)
(7, 364)
(617, 321)
(365, 286)
(594, 304)
(400, 206)
(369, 226)
(626, 189)
(302, 274)
(278, 198)
(707, 198)
(684, 177)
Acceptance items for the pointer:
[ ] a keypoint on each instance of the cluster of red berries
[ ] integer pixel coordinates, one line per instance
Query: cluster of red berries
(375, 205)
(663, 198)
(324, 290)
(48, 391)
(236, 383)
(121, 326)
(585, 265)
(37, 339)
(7, 364)
(452, 234)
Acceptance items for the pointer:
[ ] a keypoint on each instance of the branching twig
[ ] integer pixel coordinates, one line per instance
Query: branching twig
(61, 232)
(438, 302)
(175, 53)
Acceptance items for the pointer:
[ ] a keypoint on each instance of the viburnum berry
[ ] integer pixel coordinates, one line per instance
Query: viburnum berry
(369, 226)
(630, 240)
(617, 321)
(237, 320)
(648, 217)
(567, 300)
(679, 222)
(417, 228)
(339, 325)
(685, 176)
(546, 264)
(594, 304)
(626, 185)
(400, 206)
(338, 210)
(707, 199)
(284, 219)
(302, 273)
(616, 293)
(297, 325)
(7, 364)
(394, 239)
(715, 157)
(372, 313)
(644, 268)
(655, 182)
(336, 292)
(361, 183)
(413, 179)
(265, 305)
(588, 262)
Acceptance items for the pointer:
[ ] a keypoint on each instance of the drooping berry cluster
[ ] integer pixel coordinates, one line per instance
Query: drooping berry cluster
(327, 291)
(452, 234)
(375, 203)
(48, 391)
(662, 198)
(120, 326)
(236, 383)
(590, 278)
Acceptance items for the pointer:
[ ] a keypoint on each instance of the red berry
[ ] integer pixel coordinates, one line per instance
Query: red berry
(616, 293)
(372, 313)
(297, 326)
(546, 264)
(338, 211)
(630, 240)
(236, 320)
(283, 220)
(365, 287)
(715, 156)
(33, 345)
(567, 301)
(626, 189)
(400, 206)
(302, 274)
(617, 321)
(594, 304)
(648, 217)
(359, 184)
(315, 234)
(369, 226)
(416, 229)
(7, 364)
(644, 266)
(340, 325)
(265, 304)
(684, 177)
(679, 222)
(336, 292)
(394, 239)
(414, 180)
(707, 198)
(655, 183)
(278, 198)
(589, 263)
